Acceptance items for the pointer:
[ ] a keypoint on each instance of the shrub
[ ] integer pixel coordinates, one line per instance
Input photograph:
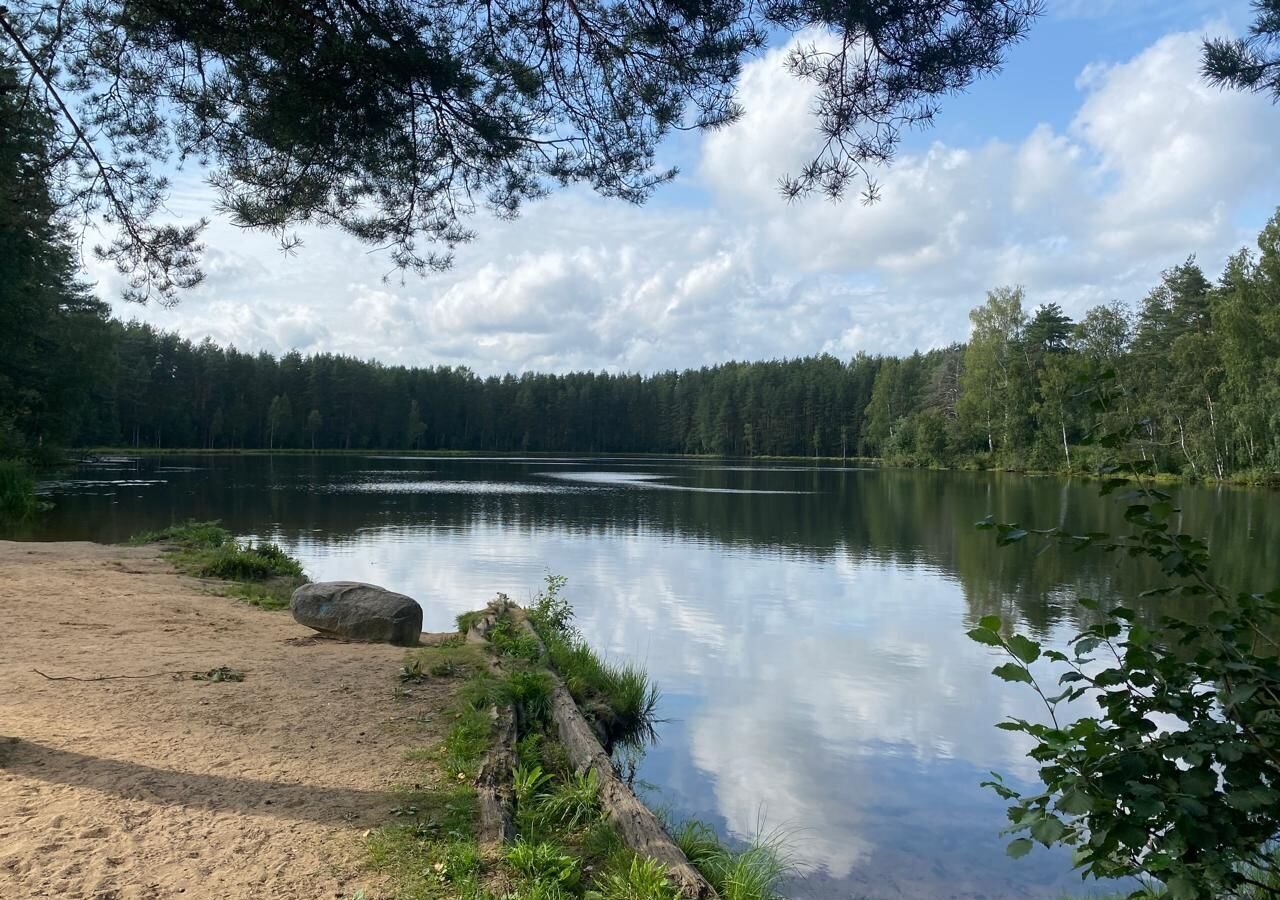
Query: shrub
(1174, 779)
(549, 612)
(249, 562)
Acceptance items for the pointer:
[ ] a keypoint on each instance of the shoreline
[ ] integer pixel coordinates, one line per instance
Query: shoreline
(1266, 481)
(142, 782)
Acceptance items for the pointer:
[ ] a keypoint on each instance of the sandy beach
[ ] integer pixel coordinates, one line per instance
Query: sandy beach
(158, 785)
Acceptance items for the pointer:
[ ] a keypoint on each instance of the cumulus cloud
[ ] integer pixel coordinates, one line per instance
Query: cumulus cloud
(1152, 166)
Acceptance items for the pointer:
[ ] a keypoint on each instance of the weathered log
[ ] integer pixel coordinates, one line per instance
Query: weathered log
(637, 825)
(493, 783)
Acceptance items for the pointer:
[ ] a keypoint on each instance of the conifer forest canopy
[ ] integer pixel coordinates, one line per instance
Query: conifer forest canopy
(396, 120)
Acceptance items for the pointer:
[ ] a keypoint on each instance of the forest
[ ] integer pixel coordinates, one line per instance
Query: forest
(1196, 362)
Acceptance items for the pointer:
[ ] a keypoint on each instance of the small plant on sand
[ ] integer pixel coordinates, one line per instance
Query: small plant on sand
(222, 673)
(411, 672)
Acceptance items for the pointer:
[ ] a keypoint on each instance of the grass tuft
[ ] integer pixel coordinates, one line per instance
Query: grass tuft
(544, 861)
(750, 873)
(262, 574)
(192, 535)
(638, 879)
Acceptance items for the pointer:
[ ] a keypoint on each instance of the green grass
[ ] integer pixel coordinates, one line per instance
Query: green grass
(636, 879)
(191, 535)
(530, 693)
(18, 498)
(750, 873)
(261, 574)
(467, 620)
(575, 802)
(429, 852)
(620, 696)
(544, 861)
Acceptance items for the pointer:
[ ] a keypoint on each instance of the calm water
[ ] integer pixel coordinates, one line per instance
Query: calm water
(806, 624)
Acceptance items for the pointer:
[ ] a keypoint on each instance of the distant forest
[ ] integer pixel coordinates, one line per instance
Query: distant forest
(1196, 362)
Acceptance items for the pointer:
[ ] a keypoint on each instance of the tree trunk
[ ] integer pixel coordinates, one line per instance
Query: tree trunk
(1066, 449)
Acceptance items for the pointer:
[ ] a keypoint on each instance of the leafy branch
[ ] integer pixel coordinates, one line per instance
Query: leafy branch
(1176, 777)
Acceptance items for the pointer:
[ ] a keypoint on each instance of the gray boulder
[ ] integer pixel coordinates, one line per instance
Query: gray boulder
(358, 612)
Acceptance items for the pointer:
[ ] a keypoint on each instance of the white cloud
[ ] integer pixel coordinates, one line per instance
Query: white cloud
(1154, 165)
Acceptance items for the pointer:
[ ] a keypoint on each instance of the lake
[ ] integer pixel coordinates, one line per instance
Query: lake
(806, 623)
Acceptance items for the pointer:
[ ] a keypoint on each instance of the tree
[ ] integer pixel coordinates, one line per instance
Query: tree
(394, 120)
(1250, 63)
(279, 419)
(995, 394)
(315, 422)
(54, 330)
(415, 429)
(1049, 331)
(1160, 748)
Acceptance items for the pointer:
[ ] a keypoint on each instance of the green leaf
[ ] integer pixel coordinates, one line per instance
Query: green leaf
(1012, 672)
(990, 622)
(1181, 888)
(985, 636)
(1019, 848)
(1025, 649)
(1075, 803)
(1048, 830)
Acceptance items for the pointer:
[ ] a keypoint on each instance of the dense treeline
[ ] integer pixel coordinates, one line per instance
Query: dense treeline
(54, 340)
(1198, 363)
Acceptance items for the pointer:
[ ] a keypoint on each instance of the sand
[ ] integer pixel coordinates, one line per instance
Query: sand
(164, 786)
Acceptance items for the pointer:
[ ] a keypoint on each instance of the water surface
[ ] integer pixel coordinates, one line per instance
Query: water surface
(806, 624)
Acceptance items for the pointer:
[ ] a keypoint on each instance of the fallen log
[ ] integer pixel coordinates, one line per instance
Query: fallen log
(493, 782)
(639, 828)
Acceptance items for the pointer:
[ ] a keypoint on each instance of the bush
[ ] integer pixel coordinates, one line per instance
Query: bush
(1176, 778)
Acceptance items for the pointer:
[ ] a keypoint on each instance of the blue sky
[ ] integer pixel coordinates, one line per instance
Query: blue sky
(1093, 161)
